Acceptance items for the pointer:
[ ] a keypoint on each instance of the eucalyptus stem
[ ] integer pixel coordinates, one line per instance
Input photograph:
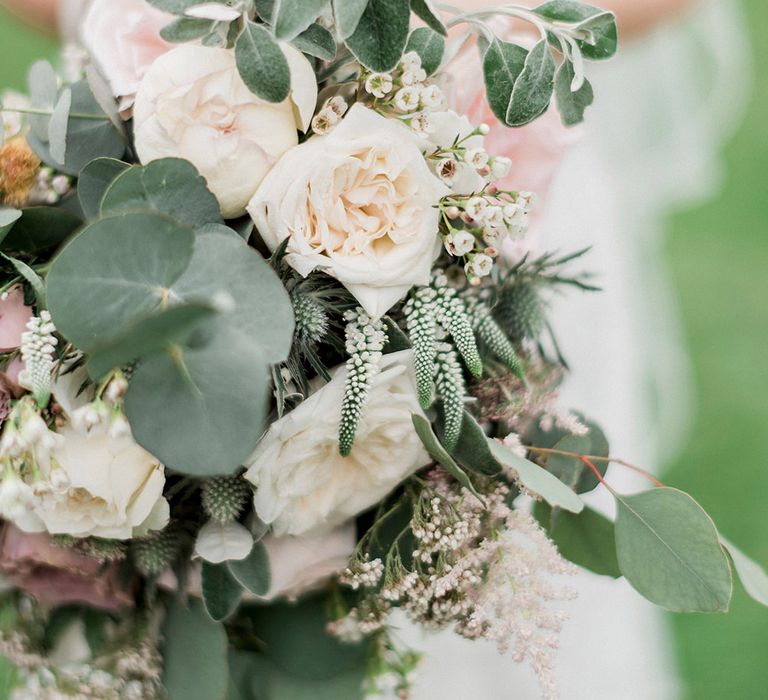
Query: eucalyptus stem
(48, 113)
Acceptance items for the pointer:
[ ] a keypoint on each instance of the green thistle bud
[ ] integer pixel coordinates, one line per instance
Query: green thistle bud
(311, 318)
(224, 497)
(520, 311)
(95, 548)
(157, 552)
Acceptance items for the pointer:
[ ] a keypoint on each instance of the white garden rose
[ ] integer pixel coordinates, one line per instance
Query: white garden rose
(123, 38)
(193, 104)
(358, 203)
(304, 485)
(102, 486)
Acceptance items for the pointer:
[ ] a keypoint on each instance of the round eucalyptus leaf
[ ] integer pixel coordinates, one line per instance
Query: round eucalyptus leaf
(115, 271)
(39, 229)
(170, 185)
(669, 550)
(93, 182)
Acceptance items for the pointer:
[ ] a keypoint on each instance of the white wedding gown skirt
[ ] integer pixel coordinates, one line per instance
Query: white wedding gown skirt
(663, 109)
(651, 142)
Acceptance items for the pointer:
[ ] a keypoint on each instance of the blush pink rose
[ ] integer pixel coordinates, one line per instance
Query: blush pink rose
(14, 316)
(58, 575)
(124, 40)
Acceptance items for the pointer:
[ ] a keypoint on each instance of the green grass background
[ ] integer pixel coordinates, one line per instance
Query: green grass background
(719, 258)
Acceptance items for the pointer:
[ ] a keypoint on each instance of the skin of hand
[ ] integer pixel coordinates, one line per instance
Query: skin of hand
(635, 17)
(42, 14)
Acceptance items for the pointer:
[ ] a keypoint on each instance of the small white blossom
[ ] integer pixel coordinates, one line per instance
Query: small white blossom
(500, 167)
(482, 265)
(407, 99)
(475, 208)
(432, 97)
(379, 84)
(460, 243)
(414, 76)
(477, 158)
(446, 170)
(411, 61)
(422, 124)
(336, 104)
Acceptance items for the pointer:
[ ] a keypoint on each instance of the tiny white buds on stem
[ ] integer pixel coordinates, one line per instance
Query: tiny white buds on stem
(379, 84)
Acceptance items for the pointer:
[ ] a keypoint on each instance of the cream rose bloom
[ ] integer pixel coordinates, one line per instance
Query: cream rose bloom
(94, 480)
(192, 104)
(304, 485)
(123, 38)
(358, 203)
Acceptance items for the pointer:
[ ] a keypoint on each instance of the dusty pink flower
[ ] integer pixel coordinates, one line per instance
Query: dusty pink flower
(14, 316)
(57, 575)
(9, 388)
(124, 40)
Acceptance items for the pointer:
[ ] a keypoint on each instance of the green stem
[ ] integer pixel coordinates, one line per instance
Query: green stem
(48, 113)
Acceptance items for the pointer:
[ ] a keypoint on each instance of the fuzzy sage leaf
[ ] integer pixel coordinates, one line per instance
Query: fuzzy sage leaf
(261, 63)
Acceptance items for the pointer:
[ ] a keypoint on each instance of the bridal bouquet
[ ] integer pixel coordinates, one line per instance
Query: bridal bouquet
(276, 363)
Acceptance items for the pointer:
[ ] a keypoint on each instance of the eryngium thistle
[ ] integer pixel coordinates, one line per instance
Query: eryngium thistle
(225, 497)
(520, 311)
(311, 318)
(157, 552)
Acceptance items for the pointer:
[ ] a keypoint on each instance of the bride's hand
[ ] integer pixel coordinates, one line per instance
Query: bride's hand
(634, 16)
(41, 13)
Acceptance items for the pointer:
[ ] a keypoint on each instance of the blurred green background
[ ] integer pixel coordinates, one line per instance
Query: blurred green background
(719, 259)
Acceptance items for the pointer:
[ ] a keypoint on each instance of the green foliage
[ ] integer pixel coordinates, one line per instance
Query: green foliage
(586, 539)
(225, 497)
(532, 91)
(600, 26)
(520, 311)
(33, 279)
(57, 126)
(221, 592)
(43, 89)
(253, 573)
(8, 217)
(472, 450)
(381, 34)
(90, 133)
(186, 29)
(156, 552)
(422, 330)
(95, 178)
(170, 185)
(439, 453)
(424, 10)
(537, 480)
(290, 19)
(753, 577)
(316, 41)
(451, 314)
(429, 45)
(40, 229)
(502, 64)
(195, 654)
(571, 103)
(261, 63)
(669, 550)
(347, 14)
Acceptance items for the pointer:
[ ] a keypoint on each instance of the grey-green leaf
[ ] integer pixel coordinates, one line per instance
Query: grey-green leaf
(586, 539)
(43, 86)
(254, 572)
(261, 63)
(424, 10)
(57, 126)
(186, 29)
(291, 18)
(502, 64)
(668, 549)
(221, 592)
(603, 41)
(316, 41)
(93, 182)
(127, 262)
(8, 217)
(34, 280)
(753, 577)
(439, 453)
(537, 480)
(429, 45)
(379, 40)
(570, 104)
(532, 92)
(170, 185)
(195, 654)
(39, 229)
(147, 336)
(347, 14)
